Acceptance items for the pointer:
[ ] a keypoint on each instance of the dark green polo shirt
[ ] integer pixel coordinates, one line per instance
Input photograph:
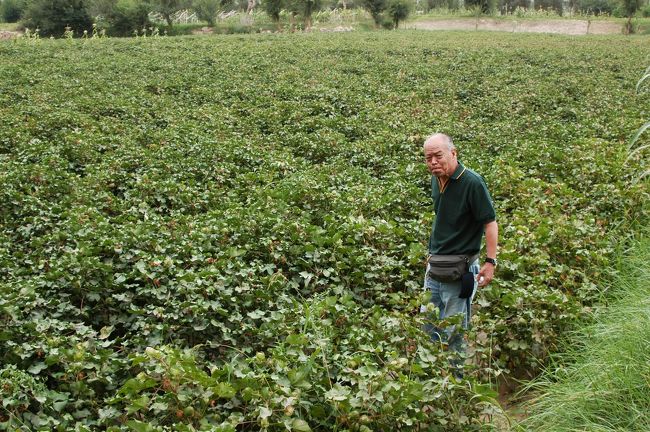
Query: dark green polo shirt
(462, 209)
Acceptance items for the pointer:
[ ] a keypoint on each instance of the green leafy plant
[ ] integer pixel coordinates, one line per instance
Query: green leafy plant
(258, 220)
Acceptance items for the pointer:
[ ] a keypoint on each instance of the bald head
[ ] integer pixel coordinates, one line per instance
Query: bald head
(442, 138)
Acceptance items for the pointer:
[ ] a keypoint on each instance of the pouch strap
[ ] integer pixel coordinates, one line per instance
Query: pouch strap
(472, 258)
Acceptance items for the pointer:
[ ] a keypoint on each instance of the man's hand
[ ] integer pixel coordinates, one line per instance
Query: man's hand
(486, 275)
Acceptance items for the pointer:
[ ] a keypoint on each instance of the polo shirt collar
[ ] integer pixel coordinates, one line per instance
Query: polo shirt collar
(460, 170)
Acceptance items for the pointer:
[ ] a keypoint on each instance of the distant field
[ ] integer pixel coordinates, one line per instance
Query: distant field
(529, 24)
(228, 232)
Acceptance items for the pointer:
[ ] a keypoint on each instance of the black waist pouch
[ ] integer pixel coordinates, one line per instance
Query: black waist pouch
(449, 268)
(466, 285)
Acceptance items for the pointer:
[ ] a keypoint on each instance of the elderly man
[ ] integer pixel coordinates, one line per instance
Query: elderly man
(464, 212)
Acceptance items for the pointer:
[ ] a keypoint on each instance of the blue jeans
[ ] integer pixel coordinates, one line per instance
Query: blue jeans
(445, 296)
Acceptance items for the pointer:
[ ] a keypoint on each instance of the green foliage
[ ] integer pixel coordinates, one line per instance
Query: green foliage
(375, 8)
(273, 9)
(398, 10)
(319, 375)
(26, 399)
(258, 220)
(639, 144)
(630, 7)
(167, 8)
(305, 9)
(645, 11)
(183, 29)
(484, 6)
(53, 16)
(448, 6)
(601, 383)
(11, 10)
(126, 17)
(207, 10)
(597, 7)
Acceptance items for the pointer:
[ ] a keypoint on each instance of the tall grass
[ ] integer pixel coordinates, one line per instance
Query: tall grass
(603, 382)
(637, 145)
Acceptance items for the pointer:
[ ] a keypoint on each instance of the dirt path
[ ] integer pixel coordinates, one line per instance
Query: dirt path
(567, 27)
(6, 34)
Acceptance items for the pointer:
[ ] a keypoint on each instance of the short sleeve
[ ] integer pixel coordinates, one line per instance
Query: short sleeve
(481, 202)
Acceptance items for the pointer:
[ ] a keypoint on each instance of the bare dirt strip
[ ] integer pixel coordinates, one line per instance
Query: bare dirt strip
(567, 27)
(6, 34)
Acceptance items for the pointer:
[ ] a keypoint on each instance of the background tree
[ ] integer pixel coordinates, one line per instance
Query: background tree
(630, 7)
(207, 10)
(11, 10)
(53, 16)
(398, 10)
(126, 16)
(489, 7)
(304, 9)
(100, 8)
(273, 9)
(596, 7)
(375, 8)
(167, 8)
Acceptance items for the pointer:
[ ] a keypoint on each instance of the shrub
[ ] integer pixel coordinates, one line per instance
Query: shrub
(398, 10)
(596, 7)
(206, 10)
(486, 6)
(11, 10)
(645, 12)
(127, 16)
(305, 8)
(555, 5)
(167, 8)
(630, 8)
(273, 9)
(375, 8)
(387, 23)
(53, 16)
(182, 29)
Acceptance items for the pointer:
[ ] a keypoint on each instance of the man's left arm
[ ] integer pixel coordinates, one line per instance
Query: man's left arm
(491, 240)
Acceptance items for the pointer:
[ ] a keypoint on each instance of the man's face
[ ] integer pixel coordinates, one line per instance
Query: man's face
(440, 160)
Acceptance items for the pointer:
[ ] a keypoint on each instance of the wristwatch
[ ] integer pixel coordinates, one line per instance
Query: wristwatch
(492, 261)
